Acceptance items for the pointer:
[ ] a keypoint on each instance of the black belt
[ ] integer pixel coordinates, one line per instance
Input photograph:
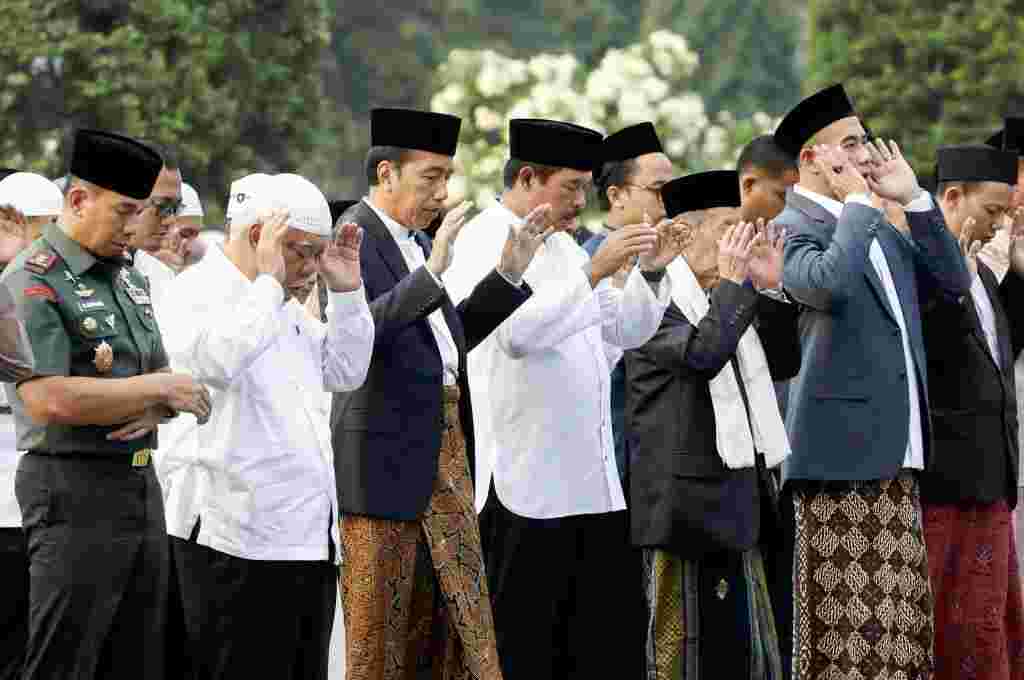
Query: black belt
(141, 458)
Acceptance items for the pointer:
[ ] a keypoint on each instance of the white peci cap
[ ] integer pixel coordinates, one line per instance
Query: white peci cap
(190, 203)
(32, 194)
(306, 205)
(248, 194)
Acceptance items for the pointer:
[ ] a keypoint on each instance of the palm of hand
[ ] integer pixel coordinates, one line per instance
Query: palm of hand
(766, 268)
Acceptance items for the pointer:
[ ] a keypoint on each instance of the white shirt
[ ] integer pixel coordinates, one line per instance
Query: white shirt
(914, 457)
(10, 512)
(546, 376)
(414, 259)
(986, 315)
(153, 269)
(262, 478)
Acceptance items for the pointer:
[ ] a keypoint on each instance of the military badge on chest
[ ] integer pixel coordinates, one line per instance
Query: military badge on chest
(104, 360)
(138, 295)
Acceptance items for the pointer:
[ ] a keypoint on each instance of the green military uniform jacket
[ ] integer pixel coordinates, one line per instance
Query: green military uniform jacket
(85, 317)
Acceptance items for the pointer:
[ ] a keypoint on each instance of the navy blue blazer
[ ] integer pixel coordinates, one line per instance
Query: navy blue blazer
(387, 434)
(848, 409)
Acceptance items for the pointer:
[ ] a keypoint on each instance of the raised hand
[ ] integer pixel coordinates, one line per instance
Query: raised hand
(840, 174)
(734, 251)
(891, 177)
(339, 263)
(270, 247)
(524, 241)
(443, 251)
(673, 237)
(1016, 227)
(970, 246)
(765, 266)
(621, 245)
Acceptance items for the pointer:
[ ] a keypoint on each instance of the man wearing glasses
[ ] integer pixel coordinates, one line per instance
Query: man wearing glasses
(155, 221)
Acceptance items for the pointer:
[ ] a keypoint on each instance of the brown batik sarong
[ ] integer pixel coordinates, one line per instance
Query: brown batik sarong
(414, 594)
(863, 604)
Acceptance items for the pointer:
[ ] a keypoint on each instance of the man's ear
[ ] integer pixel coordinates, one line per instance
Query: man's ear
(747, 183)
(254, 234)
(953, 195)
(526, 176)
(612, 193)
(806, 160)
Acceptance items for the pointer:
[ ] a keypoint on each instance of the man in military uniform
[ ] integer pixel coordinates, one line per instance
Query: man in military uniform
(87, 415)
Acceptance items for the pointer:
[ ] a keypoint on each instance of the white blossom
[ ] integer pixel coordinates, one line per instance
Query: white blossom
(487, 119)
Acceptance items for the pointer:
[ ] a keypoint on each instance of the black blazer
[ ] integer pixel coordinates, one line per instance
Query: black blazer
(682, 497)
(973, 400)
(387, 434)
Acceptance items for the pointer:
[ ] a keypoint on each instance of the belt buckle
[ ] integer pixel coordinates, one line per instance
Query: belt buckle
(141, 457)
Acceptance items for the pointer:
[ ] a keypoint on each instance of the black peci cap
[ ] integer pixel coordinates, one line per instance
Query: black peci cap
(810, 116)
(413, 129)
(116, 163)
(1011, 137)
(554, 143)
(975, 163)
(701, 191)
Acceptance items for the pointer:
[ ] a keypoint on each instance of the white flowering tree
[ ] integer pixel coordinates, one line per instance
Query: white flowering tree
(648, 81)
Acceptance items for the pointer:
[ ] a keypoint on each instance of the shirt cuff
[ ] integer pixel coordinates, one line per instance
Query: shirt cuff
(863, 199)
(512, 282)
(272, 287)
(923, 203)
(343, 304)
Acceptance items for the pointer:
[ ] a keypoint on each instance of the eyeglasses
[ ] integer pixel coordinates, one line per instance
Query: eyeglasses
(167, 207)
(654, 188)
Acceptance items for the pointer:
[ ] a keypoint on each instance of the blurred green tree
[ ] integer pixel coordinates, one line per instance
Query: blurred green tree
(933, 73)
(234, 85)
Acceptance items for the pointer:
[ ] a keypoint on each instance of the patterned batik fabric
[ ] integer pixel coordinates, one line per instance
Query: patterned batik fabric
(979, 622)
(674, 649)
(415, 594)
(863, 607)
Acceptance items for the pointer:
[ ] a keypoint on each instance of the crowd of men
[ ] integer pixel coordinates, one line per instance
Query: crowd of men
(763, 425)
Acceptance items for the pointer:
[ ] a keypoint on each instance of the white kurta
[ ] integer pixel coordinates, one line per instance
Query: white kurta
(262, 476)
(541, 382)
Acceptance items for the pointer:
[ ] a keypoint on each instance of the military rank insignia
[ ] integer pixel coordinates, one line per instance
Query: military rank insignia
(41, 262)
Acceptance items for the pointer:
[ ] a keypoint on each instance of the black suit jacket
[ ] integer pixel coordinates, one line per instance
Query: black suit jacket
(682, 497)
(973, 400)
(387, 434)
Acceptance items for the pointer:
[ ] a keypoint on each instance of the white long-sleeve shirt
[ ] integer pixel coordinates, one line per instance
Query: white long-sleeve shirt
(541, 382)
(261, 479)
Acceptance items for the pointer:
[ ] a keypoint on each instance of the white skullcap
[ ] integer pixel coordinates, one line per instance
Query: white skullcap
(306, 205)
(190, 204)
(32, 194)
(248, 194)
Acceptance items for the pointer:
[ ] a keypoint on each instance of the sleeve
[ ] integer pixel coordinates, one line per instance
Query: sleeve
(556, 311)
(412, 299)
(16, 359)
(37, 307)
(703, 350)
(820, 275)
(779, 331)
(213, 342)
(348, 344)
(631, 316)
(938, 262)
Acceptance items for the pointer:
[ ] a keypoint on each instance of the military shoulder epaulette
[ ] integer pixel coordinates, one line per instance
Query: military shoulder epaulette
(41, 262)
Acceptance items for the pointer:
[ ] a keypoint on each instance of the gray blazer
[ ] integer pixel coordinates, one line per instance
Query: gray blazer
(848, 408)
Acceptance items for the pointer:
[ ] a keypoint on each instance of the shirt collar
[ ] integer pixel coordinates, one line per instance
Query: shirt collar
(398, 232)
(830, 204)
(77, 258)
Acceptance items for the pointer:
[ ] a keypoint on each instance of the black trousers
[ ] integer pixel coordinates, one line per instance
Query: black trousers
(567, 595)
(14, 611)
(98, 568)
(249, 619)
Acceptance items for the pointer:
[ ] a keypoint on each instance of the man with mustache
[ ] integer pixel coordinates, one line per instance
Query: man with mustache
(970, 486)
(178, 249)
(858, 413)
(553, 516)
